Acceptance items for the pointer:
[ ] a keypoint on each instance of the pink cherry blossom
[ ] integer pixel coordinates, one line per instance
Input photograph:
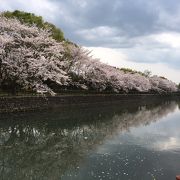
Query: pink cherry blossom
(29, 57)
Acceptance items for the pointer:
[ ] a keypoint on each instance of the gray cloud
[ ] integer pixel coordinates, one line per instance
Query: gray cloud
(131, 18)
(127, 25)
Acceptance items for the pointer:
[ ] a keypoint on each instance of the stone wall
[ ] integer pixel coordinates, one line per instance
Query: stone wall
(11, 104)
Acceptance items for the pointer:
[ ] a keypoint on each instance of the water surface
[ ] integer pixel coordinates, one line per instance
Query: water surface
(117, 141)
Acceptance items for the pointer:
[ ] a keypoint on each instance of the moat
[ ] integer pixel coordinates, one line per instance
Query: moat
(119, 141)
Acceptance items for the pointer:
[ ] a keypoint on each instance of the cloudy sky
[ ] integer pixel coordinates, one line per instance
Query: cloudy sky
(137, 34)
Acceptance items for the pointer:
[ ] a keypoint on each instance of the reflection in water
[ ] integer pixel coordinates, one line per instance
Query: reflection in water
(88, 142)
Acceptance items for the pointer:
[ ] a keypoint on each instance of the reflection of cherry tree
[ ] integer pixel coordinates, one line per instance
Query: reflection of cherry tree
(48, 149)
(31, 60)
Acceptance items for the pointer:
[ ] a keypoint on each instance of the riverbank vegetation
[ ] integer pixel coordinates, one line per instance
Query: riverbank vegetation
(31, 19)
(34, 59)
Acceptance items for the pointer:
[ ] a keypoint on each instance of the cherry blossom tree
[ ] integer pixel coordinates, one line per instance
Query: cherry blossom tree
(29, 57)
(31, 60)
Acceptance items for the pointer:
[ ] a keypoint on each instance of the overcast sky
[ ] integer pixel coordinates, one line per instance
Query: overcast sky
(137, 34)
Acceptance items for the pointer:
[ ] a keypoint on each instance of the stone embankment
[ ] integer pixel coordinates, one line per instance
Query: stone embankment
(28, 103)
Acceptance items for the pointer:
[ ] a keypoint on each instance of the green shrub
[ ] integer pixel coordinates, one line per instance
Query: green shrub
(30, 19)
(162, 77)
(179, 86)
(128, 70)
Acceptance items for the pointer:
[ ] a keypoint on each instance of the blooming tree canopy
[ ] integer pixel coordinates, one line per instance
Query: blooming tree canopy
(31, 60)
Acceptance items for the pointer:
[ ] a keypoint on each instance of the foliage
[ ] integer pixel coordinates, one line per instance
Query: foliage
(31, 60)
(147, 73)
(179, 86)
(29, 57)
(162, 77)
(128, 70)
(31, 19)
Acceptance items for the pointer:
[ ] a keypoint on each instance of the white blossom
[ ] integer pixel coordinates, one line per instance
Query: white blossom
(30, 58)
